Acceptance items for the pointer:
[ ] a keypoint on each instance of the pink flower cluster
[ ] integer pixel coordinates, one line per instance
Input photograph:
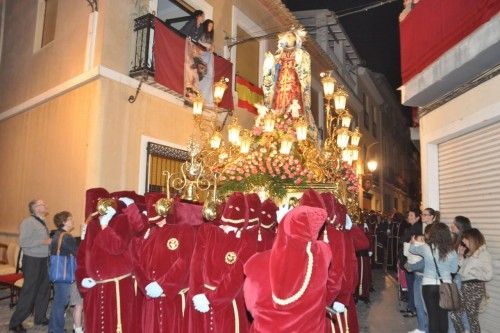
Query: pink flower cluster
(262, 161)
(349, 175)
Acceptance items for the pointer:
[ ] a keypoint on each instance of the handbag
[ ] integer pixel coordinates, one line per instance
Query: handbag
(449, 298)
(62, 268)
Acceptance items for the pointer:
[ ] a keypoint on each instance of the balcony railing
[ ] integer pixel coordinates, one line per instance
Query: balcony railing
(143, 58)
(160, 55)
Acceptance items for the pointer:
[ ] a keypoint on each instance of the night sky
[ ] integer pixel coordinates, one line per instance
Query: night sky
(374, 33)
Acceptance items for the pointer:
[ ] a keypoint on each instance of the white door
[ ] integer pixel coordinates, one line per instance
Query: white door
(469, 185)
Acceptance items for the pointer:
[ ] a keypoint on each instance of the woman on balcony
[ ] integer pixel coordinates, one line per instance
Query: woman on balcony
(207, 40)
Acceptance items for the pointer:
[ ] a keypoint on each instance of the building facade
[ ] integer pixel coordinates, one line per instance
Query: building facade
(67, 122)
(379, 116)
(450, 72)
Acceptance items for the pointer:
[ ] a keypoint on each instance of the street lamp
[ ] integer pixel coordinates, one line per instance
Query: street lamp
(372, 165)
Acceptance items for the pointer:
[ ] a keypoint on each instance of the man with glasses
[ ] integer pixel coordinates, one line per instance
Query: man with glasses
(34, 241)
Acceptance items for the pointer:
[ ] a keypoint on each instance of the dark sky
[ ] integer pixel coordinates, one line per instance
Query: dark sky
(374, 33)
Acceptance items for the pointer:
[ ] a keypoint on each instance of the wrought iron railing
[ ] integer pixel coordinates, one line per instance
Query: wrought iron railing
(143, 58)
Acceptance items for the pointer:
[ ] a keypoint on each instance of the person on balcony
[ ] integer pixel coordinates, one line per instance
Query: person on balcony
(192, 28)
(207, 56)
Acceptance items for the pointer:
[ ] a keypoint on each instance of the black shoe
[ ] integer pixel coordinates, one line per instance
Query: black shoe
(44, 322)
(404, 311)
(410, 314)
(18, 329)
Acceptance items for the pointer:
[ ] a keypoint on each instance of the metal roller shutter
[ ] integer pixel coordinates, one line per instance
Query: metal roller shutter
(469, 185)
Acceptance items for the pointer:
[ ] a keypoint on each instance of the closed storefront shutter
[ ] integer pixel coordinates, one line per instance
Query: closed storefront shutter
(469, 185)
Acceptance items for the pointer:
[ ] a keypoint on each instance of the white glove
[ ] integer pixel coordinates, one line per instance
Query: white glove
(126, 201)
(348, 222)
(154, 290)
(282, 212)
(338, 307)
(370, 253)
(201, 303)
(104, 220)
(88, 283)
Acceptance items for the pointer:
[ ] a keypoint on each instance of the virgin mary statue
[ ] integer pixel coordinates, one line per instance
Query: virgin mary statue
(287, 76)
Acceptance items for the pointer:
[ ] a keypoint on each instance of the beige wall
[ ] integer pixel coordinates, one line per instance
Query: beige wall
(25, 73)
(474, 109)
(44, 155)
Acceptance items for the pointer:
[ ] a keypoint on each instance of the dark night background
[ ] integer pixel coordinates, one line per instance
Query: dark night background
(374, 33)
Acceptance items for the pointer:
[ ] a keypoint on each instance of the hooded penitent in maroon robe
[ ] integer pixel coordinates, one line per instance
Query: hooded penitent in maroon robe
(286, 287)
(104, 256)
(267, 225)
(217, 270)
(164, 256)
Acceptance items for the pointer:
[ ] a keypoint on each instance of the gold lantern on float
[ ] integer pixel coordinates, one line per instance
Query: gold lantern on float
(354, 152)
(301, 129)
(342, 138)
(328, 83)
(197, 105)
(216, 140)
(233, 132)
(219, 89)
(346, 118)
(355, 137)
(245, 142)
(340, 99)
(286, 144)
(268, 123)
(347, 156)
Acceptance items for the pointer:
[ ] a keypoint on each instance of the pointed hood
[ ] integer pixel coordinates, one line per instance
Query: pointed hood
(268, 212)
(92, 196)
(312, 198)
(292, 261)
(254, 205)
(235, 211)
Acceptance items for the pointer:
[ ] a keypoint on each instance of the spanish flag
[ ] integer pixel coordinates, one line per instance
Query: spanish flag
(248, 94)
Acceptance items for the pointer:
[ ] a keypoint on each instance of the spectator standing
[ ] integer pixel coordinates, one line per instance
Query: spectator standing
(192, 28)
(475, 269)
(430, 216)
(66, 244)
(440, 260)
(34, 241)
(459, 225)
(415, 228)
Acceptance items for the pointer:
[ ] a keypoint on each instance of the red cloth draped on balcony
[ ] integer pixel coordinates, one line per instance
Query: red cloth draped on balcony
(433, 27)
(168, 51)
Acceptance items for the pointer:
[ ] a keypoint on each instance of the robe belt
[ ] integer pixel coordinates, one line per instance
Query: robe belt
(183, 293)
(361, 278)
(339, 322)
(117, 280)
(235, 310)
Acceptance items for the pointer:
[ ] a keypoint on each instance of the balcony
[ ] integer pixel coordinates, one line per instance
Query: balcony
(160, 56)
(445, 44)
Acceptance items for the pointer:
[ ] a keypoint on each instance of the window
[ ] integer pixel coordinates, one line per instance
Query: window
(366, 115)
(162, 158)
(247, 57)
(45, 23)
(174, 13)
